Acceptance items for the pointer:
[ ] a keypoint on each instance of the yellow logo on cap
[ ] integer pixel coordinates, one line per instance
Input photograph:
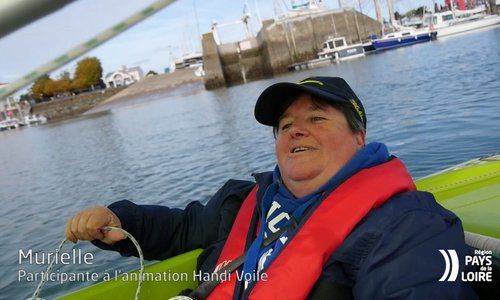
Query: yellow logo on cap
(310, 81)
(357, 108)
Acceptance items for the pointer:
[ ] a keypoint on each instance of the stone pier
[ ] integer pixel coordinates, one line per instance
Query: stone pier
(212, 65)
(280, 44)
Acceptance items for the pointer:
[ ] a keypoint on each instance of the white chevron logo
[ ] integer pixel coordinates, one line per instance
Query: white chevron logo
(451, 265)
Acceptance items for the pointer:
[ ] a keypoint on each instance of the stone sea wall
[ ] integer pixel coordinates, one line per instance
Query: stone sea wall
(59, 109)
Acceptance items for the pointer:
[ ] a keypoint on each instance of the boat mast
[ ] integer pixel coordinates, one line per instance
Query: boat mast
(197, 20)
(362, 19)
(391, 13)
(334, 27)
(258, 12)
(356, 21)
(452, 3)
(378, 12)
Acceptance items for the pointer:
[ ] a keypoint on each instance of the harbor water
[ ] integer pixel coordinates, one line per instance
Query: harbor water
(434, 104)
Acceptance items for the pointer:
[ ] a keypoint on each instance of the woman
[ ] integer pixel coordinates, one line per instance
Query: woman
(335, 219)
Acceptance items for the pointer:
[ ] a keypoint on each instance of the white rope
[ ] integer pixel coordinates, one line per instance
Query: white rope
(49, 268)
(128, 235)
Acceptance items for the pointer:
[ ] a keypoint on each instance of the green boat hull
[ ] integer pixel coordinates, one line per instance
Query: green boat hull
(179, 268)
(471, 190)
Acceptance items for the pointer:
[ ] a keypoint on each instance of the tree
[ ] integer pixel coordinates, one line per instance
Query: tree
(88, 73)
(38, 88)
(49, 87)
(64, 83)
(25, 97)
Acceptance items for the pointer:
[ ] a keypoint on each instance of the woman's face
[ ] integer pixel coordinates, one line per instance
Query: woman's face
(312, 144)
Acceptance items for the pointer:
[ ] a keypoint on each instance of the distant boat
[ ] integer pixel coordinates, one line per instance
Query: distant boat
(404, 37)
(334, 50)
(34, 119)
(338, 49)
(9, 124)
(191, 60)
(311, 64)
(449, 22)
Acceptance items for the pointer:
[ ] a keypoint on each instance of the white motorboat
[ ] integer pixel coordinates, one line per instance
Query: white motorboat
(454, 22)
(338, 49)
(34, 119)
(334, 50)
(9, 124)
(191, 60)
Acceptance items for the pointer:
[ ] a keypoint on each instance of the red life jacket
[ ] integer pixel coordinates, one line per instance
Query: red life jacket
(298, 266)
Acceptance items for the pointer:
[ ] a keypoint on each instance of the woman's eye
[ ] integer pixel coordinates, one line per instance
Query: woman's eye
(317, 119)
(285, 126)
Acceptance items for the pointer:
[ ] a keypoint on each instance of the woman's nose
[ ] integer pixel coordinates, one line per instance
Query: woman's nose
(298, 131)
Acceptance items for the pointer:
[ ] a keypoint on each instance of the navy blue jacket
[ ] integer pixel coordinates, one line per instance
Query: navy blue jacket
(393, 253)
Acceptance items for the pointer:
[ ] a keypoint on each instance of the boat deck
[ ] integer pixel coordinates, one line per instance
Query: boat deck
(472, 191)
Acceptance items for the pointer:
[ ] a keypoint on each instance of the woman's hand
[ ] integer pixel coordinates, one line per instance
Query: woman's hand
(88, 225)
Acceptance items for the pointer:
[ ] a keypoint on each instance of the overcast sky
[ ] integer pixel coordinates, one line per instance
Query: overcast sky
(152, 44)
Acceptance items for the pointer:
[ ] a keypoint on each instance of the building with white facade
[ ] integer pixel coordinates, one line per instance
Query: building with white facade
(123, 77)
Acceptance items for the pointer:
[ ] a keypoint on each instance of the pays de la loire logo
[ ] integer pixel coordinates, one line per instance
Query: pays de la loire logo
(450, 259)
(481, 260)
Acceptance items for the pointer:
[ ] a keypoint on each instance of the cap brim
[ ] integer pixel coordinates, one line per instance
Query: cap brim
(273, 101)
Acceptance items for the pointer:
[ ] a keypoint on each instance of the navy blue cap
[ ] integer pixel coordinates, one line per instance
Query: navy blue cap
(273, 101)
